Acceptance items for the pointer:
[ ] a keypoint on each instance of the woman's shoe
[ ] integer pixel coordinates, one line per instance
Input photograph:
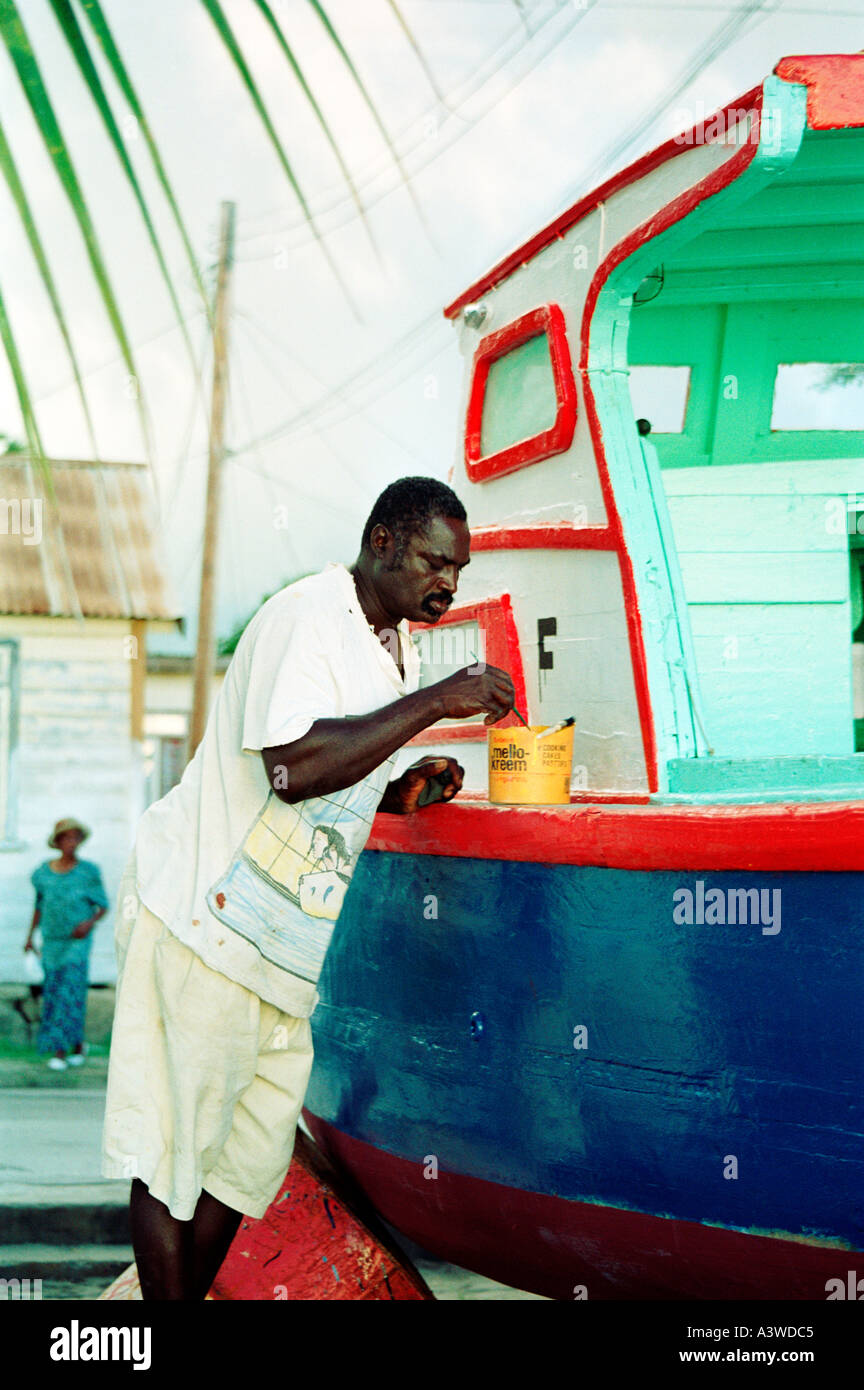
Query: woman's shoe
(76, 1059)
(57, 1063)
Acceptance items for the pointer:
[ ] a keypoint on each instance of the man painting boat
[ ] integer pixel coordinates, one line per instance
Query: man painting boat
(228, 904)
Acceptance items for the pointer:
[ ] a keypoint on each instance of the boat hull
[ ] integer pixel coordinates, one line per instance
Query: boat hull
(576, 1250)
(610, 1097)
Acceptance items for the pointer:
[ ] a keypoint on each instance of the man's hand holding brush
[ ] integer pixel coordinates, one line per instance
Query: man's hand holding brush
(473, 691)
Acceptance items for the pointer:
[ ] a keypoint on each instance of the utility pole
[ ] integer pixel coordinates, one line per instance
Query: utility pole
(204, 648)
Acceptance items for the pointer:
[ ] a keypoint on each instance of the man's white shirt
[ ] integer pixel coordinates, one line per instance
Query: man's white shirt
(252, 884)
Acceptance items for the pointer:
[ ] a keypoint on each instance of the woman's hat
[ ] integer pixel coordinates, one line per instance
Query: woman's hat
(70, 823)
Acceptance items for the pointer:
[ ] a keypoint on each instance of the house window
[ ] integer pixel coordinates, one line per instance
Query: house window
(8, 739)
(818, 396)
(522, 403)
(660, 394)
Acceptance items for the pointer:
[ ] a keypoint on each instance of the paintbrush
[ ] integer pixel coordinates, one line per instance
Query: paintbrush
(515, 710)
(556, 729)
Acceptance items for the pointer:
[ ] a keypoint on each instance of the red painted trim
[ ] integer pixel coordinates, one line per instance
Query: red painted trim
(494, 617)
(315, 1242)
(562, 535)
(673, 212)
(548, 320)
(808, 837)
(596, 798)
(835, 87)
(631, 174)
(548, 1244)
(605, 798)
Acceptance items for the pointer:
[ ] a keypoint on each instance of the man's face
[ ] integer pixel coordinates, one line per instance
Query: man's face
(422, 586)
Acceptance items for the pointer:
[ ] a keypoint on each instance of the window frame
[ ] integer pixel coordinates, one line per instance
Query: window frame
(494, 616)
(549, 320)
(9, 812)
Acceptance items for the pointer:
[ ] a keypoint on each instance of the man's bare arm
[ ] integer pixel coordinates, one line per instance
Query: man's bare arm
(336, 753)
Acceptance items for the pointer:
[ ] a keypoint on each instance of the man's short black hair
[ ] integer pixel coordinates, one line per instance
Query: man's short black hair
(408, 505)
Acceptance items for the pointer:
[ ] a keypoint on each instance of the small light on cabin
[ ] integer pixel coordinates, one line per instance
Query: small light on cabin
(475, 314)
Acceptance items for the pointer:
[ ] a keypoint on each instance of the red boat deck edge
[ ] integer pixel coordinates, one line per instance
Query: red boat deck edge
(815, 837)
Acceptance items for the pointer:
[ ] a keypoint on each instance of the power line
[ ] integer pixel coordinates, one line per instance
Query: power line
(361, 409)
(512, 43)
(732, 28)
(651, 5)
(717, 41)
(608, 6)
(442, 143)
(186, 434)
(171, 327)
(371, 373)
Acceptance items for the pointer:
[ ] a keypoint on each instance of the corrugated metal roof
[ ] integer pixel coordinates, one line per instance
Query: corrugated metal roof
(94, 552)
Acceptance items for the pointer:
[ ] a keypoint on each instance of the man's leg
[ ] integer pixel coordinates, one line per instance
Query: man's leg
(178, 1260)
(213, 1228)
(162, 1245)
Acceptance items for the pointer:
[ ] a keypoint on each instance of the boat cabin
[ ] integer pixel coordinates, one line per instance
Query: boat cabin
(662, 458)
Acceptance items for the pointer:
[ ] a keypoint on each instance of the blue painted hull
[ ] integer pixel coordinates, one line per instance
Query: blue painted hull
(710, 1050)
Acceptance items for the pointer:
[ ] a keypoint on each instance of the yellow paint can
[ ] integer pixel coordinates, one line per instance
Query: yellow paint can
(525, 770)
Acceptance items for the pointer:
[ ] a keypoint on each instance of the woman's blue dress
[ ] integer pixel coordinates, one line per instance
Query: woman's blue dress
(63, 901)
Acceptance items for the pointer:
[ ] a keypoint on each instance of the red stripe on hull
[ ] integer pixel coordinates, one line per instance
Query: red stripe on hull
(814, 837)
(552, 1246)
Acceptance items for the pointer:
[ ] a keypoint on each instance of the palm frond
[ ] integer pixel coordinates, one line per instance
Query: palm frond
(65, 17)
(520, 7)
(418, 52)
(16, 188)
(29, 75)
(99, 25)
(370, 104)
(226, 33)
(28, 414)
(291, 56)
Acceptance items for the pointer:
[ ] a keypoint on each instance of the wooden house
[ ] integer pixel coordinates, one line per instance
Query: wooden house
(81, 583)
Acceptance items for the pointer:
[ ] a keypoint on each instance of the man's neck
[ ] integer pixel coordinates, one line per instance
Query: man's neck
(375, 612)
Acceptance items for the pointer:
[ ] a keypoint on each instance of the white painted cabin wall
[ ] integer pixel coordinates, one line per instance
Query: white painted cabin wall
(592, 677)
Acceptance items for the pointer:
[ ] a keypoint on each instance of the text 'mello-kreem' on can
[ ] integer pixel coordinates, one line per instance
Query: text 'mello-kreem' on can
(525, 770)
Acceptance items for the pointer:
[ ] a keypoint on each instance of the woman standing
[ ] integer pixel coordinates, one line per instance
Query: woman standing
(70, 900)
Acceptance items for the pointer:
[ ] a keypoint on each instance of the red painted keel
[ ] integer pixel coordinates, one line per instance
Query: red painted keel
(567, 1249)
(318, 1240)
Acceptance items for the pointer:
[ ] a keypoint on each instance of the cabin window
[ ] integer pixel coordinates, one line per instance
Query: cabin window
(520, 398)
(8, 737)
(522, 402)
(483, 631)
(818, 396)
(660, 395)
(447, 649)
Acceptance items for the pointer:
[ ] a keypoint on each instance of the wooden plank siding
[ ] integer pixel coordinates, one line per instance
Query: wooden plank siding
(75, 757)
(767, 587)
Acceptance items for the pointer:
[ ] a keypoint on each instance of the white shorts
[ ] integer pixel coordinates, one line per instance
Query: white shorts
(205, 1080)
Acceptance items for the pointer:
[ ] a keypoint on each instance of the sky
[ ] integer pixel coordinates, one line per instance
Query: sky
(332, 395)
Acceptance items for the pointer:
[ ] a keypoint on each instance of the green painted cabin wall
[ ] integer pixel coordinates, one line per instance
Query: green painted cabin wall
(765, 577)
